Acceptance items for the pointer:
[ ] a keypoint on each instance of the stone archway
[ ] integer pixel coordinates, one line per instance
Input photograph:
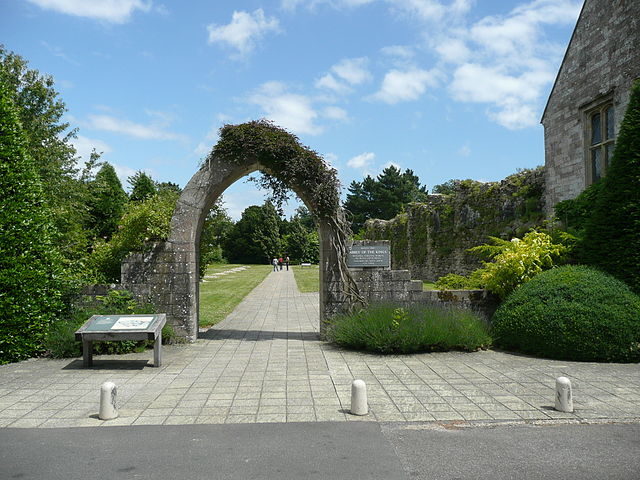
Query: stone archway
(167, 275)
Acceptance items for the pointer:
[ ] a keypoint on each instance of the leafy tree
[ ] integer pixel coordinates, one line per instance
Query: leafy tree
(255, 238)
(612, 236)
(142, 186)
(30, 264)
(169, 186)
(383, 197)
(47, 140)
(106, 202)
(215, 231)
(300, 244)
(145, 221)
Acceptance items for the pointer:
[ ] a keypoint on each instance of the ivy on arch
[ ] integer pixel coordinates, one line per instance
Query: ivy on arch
(287, 165)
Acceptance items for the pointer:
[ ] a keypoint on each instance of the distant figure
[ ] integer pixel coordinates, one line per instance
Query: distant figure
(274, 262)
(286, 260)
(280, 262)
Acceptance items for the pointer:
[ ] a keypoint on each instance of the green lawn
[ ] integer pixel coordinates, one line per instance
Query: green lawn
(429, 286)
(307, 278)
(219, 296)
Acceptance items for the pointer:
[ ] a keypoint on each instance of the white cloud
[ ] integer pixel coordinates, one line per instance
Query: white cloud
(464, 151)
(244, 31)
(407, 85)
(513, 95)
(349, 72)
(453, 50)
(335, 113)
(398, 51)
(361, 161)
(153, 131)
(506, 61)
(352, 70)
(84, 146)
(329, 82)
(114, 11)
(431, 10)
(292, 111)
(210, 139)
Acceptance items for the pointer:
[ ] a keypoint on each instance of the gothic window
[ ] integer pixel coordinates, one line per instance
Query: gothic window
(600, 141)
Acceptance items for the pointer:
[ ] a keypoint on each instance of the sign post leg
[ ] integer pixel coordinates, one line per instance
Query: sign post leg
(157, 350)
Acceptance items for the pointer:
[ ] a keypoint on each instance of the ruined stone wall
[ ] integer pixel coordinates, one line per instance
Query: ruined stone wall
(163, 276)
(601, 62)
(431, 239)
(397, 287)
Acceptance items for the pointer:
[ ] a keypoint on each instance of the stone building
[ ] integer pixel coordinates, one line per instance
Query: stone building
(589, 97)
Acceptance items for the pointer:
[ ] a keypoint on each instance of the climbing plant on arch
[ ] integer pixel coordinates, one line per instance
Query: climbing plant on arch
(168, 274)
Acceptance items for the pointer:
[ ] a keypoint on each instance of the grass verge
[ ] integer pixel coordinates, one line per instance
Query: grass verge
(220, 295)
(307, 278)
(389, 329)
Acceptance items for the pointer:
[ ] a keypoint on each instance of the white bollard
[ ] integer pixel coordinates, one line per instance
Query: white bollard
(564, 397)
(108, 397)
(359, 404)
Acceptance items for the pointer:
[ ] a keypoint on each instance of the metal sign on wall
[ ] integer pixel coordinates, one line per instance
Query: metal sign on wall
(369, 256)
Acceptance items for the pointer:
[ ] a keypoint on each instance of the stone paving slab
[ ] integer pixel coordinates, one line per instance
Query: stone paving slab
(265, 363)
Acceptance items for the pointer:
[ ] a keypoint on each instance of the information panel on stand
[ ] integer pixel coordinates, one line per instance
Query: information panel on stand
(369, 256)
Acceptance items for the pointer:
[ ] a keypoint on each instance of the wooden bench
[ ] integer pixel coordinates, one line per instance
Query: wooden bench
(305, 265)
(106, 328)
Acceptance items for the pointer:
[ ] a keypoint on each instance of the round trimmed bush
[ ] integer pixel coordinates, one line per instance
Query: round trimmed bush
(572, 313)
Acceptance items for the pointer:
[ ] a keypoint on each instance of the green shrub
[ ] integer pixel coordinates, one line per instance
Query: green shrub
(512, 263)
(61, 343)
(573, 313)
(143, 222)
(612, 234)
(453, 281)
(389, 329)
(31, 268)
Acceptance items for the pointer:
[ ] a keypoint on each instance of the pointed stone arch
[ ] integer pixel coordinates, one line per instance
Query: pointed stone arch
(168, 276)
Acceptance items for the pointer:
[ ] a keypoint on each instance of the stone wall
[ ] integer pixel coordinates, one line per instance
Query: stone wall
(431, 239)
(397, 287)
(162, 276)
(601, 62)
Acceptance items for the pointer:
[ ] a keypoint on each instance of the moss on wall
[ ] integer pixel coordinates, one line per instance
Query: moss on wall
(431, 239)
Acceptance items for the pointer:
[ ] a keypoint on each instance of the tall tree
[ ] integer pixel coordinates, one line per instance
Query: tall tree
(47, 140)
(30, 265)
(215, 231)
(106, 201)
(142, 186)
(383, 197)
(255, 238)
(612, 235)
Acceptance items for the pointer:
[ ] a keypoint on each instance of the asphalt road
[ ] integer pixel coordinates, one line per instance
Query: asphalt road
(341, 450)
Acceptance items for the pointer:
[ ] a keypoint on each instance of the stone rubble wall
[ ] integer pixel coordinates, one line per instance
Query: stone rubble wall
(431, 239)
(162, 276)
(397, 287)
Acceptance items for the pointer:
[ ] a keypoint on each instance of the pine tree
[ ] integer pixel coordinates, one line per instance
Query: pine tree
(142, 186)
(30, 265)
(612, 236)
(107, 200)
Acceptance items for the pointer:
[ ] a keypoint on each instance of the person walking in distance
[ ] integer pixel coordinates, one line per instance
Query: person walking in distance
(280, 261)
(274, 262)
(286, 262)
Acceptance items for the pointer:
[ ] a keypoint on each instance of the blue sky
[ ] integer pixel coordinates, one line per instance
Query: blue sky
(448, 88)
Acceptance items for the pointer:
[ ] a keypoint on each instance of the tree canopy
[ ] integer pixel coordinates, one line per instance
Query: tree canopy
(383, 197)
(30, 265)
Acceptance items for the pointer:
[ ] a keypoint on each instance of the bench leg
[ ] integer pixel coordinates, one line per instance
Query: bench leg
(87, 353)
(157, 351)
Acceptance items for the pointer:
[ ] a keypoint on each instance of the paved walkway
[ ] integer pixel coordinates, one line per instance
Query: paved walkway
(264, 363)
